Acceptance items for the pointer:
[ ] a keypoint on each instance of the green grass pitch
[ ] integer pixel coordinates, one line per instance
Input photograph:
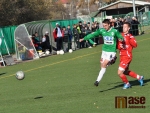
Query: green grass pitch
(65, 83)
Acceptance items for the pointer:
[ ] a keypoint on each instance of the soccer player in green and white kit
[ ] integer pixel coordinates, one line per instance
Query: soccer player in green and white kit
(110, 37)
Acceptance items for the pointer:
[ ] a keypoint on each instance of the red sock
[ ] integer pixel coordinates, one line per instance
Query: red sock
(124, 78)
(133, 74)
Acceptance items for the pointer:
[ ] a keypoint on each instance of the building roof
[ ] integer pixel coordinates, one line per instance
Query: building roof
(137, 3)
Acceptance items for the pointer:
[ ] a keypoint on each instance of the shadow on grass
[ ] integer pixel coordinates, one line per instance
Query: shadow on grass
(38, 97)
(133, 83)
(2, 74)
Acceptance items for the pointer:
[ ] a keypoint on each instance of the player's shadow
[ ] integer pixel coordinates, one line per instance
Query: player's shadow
(2, 74)
(39, 97)
(133, 83)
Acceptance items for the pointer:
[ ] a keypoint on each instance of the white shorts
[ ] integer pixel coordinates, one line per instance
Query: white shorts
(107, 56)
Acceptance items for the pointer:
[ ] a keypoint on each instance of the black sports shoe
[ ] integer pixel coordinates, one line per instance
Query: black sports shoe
(96, 83)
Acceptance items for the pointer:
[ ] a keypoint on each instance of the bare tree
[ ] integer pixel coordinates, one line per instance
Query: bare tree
(14, 12)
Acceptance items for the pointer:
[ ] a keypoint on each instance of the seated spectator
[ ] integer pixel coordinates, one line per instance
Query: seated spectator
(43, 44)
(36, 43)
(37, 37)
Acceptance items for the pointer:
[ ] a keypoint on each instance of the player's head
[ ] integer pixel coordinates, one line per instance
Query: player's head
(106, 24)
(126, 27)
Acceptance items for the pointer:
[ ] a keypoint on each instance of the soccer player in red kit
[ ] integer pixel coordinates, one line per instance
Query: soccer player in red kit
(125, 50)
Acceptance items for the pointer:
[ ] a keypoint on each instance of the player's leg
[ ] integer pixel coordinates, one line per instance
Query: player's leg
(123, 67)
(105, 58)
(135, 75)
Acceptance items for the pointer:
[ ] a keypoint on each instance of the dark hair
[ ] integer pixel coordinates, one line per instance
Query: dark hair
(106, 21)
(127, 23)
(33, 35)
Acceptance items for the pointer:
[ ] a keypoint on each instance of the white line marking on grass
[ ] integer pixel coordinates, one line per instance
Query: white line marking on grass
(143, 40)
(52, 64)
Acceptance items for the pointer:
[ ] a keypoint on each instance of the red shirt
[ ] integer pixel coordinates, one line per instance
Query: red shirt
(128, 44)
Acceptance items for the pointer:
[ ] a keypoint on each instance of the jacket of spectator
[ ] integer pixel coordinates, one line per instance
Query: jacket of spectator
(65, 32)
(58, 35)
(69, 33)
(75, 32)
(55, 33)
(134, 24)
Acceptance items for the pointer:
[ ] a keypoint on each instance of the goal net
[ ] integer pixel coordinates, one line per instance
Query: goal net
(25, 49)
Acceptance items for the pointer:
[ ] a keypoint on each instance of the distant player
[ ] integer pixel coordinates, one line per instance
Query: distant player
(125, 49)
(110, 37)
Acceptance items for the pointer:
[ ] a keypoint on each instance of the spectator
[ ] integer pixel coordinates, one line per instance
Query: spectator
(76, 35)
(84, 24)
(36, 43)
(88, 42)
(117, 24)
(58, 34)
(134, 23)
(121, 20)
(129, 19)
(43, 44)
(47, 42)
(112, 23)
(96, 28)
(89, 25)
(36, 37)
(80, 25)
(80, 28)
(69, 37)
(65, 39)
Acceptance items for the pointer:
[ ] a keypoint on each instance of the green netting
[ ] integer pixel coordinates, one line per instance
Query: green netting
(8, 33)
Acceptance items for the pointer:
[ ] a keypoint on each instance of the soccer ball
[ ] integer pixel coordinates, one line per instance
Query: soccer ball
(47, 52)
(61, 52)
(70, 51)
(58, 52)
(20, 75)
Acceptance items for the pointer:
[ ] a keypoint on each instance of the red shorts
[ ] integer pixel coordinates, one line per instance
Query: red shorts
(124, 63)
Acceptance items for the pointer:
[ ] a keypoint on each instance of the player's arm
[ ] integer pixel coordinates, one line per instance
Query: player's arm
(133, 41)
(119, 36)
(119, 45)
(92, 35)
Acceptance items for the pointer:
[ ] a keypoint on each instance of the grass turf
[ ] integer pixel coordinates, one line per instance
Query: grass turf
(64, 83)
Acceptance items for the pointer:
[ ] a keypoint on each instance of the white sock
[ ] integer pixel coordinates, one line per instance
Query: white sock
(138, 77)
(101, 73)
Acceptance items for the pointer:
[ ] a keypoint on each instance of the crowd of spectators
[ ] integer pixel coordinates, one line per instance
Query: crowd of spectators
(65, 37)
(118, 22)
(68, 36)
